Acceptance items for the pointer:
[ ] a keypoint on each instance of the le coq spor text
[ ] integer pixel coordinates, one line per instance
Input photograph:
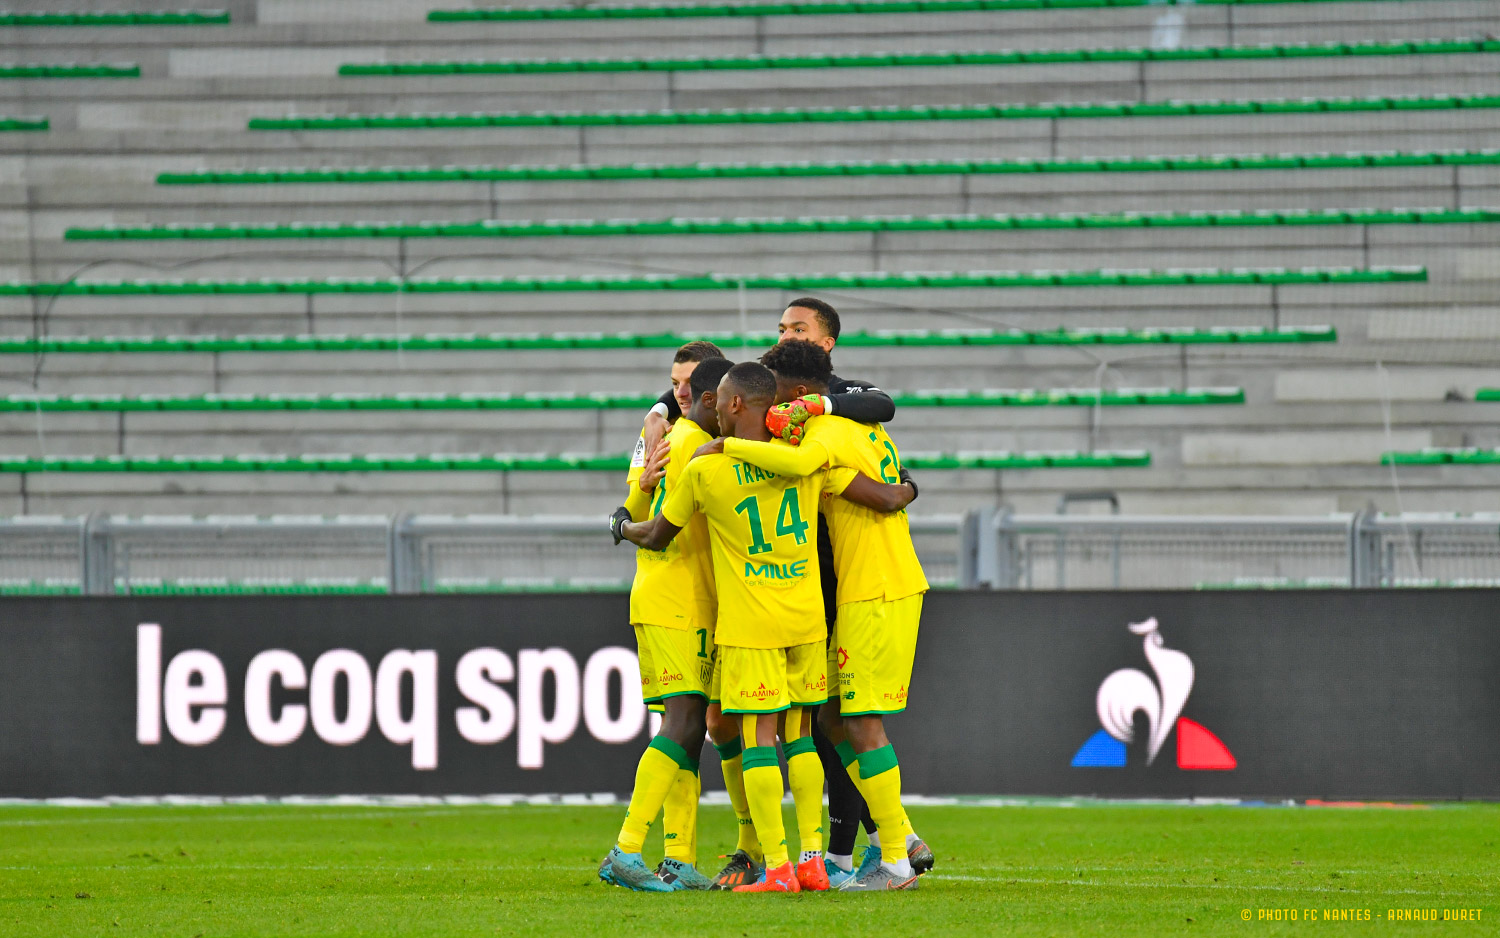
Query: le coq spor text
(191, 697)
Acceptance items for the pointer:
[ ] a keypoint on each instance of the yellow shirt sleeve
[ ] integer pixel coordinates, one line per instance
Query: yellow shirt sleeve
(682, 502)
(838, 480)
(638, 503)
(793, 461)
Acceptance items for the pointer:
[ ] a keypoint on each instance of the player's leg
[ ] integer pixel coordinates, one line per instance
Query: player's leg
(880, 640)
(624, 866)
(846, 807)
(747, 861)
(673, 750)
(754, 686)
(683, 724)
(685, 658)
(847, 810)
(804, 772)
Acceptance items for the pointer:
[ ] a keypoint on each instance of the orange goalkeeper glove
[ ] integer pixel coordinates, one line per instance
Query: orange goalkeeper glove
(786, 420)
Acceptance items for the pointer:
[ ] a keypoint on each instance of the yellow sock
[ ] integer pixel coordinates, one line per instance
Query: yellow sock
(734, 783)
(654, 776)
(763, 791)
(679, 818)
(804, 772)
(877, 775)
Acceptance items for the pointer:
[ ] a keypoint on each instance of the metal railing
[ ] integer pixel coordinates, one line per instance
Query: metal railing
(981, 549)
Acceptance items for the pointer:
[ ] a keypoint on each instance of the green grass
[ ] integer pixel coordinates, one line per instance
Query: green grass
(1041, 869)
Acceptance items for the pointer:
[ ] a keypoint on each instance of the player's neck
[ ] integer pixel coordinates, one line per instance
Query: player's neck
(751, 425)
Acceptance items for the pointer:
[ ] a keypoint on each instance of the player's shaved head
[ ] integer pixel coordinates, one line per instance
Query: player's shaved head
(708, 374)
(798, 363)
(753, 382)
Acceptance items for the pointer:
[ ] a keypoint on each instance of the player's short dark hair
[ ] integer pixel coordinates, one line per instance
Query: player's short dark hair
(828, 317)
(754, 381)
(699, 350)
(707, 375)
(801, 362)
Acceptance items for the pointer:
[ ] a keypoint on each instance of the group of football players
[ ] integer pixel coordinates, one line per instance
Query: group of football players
(777, 596)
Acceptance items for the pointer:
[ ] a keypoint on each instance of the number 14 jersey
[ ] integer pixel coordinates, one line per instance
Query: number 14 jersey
(763, 532)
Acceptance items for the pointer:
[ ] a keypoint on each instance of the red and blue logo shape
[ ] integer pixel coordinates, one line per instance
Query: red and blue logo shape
(1128, 691)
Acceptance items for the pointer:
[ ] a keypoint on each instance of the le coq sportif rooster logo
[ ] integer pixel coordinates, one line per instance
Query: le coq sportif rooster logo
(1129, 691)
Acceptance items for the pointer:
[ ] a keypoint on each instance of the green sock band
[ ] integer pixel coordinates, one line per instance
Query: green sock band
(730, 749)
(674, 752)
(876, 761)
(799, 746)
(846, 753)
(758, 756)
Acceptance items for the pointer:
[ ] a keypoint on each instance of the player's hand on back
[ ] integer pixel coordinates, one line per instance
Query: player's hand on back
(656, 466)
(711, 448)
(785, 420)
(655, 429)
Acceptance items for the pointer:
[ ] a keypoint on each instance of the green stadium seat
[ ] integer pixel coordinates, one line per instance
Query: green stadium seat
(23, 124)
(98, 70)
(543, 401)
(1253, 161)
(901, 113)
(833, 8)
(925, 59)
(1433, 456)
(806, 224)
(1278, 275)
(26, 345)
(503, 462)
(121, 18)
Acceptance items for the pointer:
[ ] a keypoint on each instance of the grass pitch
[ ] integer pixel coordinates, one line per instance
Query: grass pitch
(1042, 869)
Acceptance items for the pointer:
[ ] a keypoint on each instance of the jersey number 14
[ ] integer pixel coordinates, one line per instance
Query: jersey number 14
(789, 521)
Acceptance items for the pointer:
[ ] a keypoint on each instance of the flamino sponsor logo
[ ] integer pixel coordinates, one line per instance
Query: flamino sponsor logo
(820, 684)
(668, 677)
(898, 697)
(761, 693)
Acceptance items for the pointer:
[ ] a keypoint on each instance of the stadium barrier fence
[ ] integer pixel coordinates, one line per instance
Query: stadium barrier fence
(980, 549)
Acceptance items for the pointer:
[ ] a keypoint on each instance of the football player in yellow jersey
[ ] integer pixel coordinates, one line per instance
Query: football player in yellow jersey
(880, 590)
(770, 629)
(672, 609)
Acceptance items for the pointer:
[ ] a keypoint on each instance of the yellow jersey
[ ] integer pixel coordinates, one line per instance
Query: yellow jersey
(673, 587)
(762, 528)
(873, 555)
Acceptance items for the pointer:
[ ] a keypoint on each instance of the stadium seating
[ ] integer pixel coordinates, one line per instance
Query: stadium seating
(69, 70)
(588, 227)
(929, 59)
(1217, 187)
(116, 18)
(914, 338)
(830, 8)
(936, 112)
(989, 397)
(1182, 163)
(838, 281)
(503, 462)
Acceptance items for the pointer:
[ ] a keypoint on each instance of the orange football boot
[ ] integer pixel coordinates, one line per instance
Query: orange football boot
(782, 879)
(813, 875)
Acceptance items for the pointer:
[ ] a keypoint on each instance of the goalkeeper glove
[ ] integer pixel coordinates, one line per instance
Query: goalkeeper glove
(616, 522)
(786, 420)
(905, 476)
